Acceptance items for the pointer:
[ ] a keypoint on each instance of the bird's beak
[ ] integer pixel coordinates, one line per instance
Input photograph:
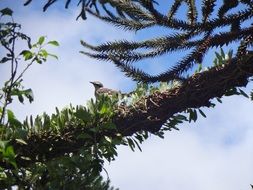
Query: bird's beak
(91, 82)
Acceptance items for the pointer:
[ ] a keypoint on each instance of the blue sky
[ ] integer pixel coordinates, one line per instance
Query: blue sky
(213, 153)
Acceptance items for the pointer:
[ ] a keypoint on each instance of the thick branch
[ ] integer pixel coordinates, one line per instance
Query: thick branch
(149, 114)
(195, 92)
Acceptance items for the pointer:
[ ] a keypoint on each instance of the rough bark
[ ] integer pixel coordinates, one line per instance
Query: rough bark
(149, 114)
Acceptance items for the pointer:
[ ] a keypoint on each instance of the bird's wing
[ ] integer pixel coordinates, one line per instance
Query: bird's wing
(107, 91)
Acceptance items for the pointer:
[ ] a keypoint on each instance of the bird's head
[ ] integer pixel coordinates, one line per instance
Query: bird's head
(97, 84)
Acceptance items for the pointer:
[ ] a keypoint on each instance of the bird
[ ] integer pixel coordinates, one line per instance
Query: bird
(100, 90)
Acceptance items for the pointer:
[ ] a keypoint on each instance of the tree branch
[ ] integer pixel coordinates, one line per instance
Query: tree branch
(149, 114)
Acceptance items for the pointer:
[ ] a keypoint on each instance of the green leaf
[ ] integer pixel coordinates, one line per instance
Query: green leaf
(27, 54)
(219, 57)
(160, 134)
(219, 100)
(139, 138)
(12, 119)
(6, 11)
(5, 59)
(83, 115)
(222, 53)
(3, 145)
(251, 95)
(55, 43)
(20, 133)
(192, 115)
(53, 55)
(199, 68)
(230, 54)
(131, 144)
(195, 116)
(25, 158)
(21, 99)
(110, 125)
(104, 109)
(181, 117)
(84, 136)
(3, 175)
(9, 152)
(108, 139)
(137, 144)
(31, 121)
(9, 156)
(243, 93)
(10, 115)
(20, 93)
(21, 141)
(231, 92)
(29, 94)
(44, 53)
(94, 129)
(41, 40)
(202, 113)
(215, 62)
(38, 60)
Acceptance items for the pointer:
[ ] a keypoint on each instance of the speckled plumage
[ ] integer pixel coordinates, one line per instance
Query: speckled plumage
(99, 89)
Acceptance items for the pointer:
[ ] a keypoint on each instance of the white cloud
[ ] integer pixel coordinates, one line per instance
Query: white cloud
(196, 157)
(58, 83)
